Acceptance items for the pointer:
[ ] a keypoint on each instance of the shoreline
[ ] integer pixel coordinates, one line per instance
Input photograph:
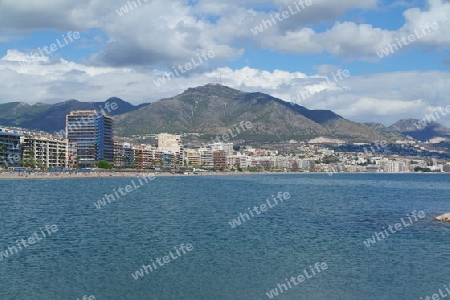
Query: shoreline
(91, 175)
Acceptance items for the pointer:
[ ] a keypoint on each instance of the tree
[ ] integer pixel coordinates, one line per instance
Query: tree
(104, 164)
(61, 157)
(4, 148)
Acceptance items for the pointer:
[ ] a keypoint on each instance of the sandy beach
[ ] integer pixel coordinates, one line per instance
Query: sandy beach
(86, 175)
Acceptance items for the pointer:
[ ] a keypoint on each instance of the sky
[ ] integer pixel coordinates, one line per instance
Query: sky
(367, 60)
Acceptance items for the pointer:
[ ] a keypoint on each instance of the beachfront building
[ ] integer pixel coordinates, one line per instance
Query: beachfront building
(192, 158)
(171, 143)
(206, 158)
(93, 135)
(44, 151)
(168, 160)
(143, 156)
(237, 161)
(10, 148)
(220, 160)
(123, 155)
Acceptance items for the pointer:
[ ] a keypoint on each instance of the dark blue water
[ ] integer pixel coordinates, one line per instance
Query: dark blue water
(327, 218)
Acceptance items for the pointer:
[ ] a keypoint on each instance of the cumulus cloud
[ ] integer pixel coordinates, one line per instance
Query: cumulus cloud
(168, 32)
(384, 97)
(156, 35)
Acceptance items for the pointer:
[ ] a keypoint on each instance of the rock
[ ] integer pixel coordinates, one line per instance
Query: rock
(443, 218)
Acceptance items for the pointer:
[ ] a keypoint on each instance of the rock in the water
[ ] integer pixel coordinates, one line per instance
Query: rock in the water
(443, 218)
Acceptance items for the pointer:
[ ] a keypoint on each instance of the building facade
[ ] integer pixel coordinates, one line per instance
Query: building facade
(169, 143)
(10, 148)
(44, 152)
(93, 135)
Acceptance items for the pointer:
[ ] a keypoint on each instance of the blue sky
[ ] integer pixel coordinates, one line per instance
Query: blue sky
(123, 52)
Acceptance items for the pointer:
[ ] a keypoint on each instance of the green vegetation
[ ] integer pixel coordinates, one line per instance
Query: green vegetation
(420, 169)
(103, 164)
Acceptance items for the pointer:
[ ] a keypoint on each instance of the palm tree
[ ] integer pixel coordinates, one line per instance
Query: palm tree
(61, 156)
(4, 148)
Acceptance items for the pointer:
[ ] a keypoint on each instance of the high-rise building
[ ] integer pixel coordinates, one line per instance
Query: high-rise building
(93, 135)
(10, 148)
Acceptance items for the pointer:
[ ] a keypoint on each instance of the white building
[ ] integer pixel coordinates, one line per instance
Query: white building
(45, 151)
(169, 142)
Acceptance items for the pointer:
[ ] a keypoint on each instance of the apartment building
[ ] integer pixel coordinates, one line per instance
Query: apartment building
(93, 135)
(206, 158)
(10, 148)
(143, 156)
(169, 143)
(192, 158)
(220, 160)
(44, 151)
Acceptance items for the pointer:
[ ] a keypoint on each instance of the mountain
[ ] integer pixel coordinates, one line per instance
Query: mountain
(52, 117)
(213, 109)
(415, 129)
(377, 126)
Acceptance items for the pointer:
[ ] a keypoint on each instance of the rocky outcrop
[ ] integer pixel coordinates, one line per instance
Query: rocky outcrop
(443, 218)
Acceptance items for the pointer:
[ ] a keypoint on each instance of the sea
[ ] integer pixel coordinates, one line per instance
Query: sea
(99, 253)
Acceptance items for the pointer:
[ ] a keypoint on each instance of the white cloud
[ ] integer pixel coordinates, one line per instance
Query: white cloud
(384, 97)
(168, 32)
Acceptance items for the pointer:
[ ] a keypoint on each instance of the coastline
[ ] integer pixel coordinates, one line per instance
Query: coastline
(91, 175)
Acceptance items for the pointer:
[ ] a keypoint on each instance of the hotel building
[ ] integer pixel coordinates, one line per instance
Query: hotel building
(93, 135)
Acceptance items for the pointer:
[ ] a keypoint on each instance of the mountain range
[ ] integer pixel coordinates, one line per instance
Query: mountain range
(213, 109)
(52, 117)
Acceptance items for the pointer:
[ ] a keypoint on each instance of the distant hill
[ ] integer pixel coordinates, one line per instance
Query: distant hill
(412, 128)
(213, 109)
(52, 117)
